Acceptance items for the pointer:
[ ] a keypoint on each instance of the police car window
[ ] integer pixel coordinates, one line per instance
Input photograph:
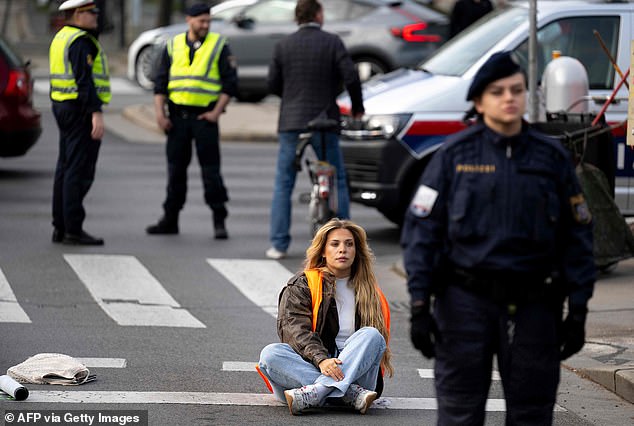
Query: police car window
(460, 53)
(272, 11)
(575, 37)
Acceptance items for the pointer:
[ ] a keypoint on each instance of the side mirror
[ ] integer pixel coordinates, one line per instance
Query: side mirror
(244, 22)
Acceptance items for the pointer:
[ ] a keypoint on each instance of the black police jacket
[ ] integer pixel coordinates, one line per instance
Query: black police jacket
(493, 203)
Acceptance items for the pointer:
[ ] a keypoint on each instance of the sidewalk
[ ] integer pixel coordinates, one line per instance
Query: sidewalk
(244, 122)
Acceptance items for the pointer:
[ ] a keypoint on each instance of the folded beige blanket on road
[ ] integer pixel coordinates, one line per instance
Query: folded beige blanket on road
(52, 369)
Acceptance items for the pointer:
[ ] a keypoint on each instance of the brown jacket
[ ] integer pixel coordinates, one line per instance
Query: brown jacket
(295, 319)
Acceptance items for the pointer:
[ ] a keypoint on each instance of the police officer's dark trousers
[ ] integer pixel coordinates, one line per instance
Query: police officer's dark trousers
(474, 329)
(76, 164)
(185, 127)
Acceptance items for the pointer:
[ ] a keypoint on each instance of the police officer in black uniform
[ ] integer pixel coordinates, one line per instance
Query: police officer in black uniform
(80, 85)
(195, 81)
(499, 233)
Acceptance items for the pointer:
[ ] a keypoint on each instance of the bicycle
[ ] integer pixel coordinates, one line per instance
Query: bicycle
(322, 199)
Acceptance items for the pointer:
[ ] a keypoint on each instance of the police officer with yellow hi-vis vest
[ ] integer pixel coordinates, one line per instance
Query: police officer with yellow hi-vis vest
(195, 81)
(80, 85)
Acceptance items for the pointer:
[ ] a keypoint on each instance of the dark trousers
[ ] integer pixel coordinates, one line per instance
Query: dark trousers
(76, 163)
(473, 329)
(179, 153)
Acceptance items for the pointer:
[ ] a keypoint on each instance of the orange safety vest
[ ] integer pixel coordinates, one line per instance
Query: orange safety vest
(315, 277)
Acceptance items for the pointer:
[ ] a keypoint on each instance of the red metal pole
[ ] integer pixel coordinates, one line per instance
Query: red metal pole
(610, 99)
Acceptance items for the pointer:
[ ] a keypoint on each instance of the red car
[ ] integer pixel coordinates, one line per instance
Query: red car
(20, 123)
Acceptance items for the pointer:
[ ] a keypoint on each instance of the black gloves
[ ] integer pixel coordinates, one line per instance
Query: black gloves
(573, 332)
(424, 331)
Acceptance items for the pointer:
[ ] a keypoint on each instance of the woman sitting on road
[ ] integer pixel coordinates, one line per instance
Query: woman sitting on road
(333, 322)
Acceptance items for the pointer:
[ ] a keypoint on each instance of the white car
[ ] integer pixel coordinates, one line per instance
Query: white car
(409, 112)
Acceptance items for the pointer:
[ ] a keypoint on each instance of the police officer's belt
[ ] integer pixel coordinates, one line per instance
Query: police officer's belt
(505, 287)
(187, 112)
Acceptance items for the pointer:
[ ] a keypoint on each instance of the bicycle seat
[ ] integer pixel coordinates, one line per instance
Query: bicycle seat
(323, 124)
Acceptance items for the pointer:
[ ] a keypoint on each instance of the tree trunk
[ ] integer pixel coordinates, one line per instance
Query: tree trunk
(164, 16)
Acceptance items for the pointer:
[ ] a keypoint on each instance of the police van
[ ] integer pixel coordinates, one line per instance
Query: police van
(409, 112)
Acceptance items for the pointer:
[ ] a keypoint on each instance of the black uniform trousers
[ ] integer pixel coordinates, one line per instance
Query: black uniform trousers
(76, 164)
(474, 329)
(185, 127)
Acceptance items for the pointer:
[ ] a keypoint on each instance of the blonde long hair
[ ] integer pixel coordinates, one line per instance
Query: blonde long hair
(361, 276)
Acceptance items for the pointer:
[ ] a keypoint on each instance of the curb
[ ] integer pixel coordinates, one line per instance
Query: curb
(615, 379)
(241, 122)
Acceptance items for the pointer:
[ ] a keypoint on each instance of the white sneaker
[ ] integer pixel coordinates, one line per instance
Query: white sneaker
(361, 399)
(301, 398)
(273, 253)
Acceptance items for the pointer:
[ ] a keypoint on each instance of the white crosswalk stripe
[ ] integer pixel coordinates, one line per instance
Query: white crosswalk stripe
(128, 293)
(259, 280)
(428, 373)
(118, 86)
(10, 310)
(220, 398)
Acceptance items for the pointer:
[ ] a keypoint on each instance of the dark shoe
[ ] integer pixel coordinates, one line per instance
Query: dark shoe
(163, 227)
(220, 232)
(58, 235)
(83, 239)
(218, 217)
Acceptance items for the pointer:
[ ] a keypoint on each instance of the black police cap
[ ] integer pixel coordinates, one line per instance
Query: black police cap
(499, 65)
(198, 9)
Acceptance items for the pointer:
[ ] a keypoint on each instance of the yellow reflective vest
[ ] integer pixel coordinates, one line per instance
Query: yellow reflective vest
(198, 83)
(63, 84)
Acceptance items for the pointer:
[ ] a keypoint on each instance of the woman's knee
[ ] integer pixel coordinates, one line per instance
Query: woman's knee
(371, 334)
(273, 353)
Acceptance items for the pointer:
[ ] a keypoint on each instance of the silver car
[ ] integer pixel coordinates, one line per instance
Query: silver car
(380, 36)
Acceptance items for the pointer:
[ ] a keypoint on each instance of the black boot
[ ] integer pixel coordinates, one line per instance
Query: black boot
(82, 239)
(168, 225)
(219, 215)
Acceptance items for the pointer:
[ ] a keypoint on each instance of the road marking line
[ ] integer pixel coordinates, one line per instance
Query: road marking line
(428, 373)
(211, 398)
(10, 309)
(128, 292)
(103, 362)
(259, 280)
(239, 366)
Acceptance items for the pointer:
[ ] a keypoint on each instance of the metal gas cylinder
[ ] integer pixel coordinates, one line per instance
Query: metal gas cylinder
(565, 84)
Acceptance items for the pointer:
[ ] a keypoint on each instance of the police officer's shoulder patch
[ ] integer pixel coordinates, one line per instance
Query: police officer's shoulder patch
(233, 62)
(580, 210)
(423, 201)
(89, 60)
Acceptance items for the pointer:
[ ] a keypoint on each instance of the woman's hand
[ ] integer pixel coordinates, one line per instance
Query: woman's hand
(330, 367)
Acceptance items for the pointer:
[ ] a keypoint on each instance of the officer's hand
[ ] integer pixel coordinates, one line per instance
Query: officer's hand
(97, 126)
(211, 116)
(164, 123)
(424, 331)
(573, 332)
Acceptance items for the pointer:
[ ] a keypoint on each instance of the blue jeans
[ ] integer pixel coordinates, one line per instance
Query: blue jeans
(285, 182)
(361, 360)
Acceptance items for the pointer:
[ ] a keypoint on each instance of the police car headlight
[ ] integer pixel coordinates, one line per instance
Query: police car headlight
(374, 126)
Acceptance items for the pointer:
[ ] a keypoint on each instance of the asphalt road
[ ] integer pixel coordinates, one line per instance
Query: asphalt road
(202, 307)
